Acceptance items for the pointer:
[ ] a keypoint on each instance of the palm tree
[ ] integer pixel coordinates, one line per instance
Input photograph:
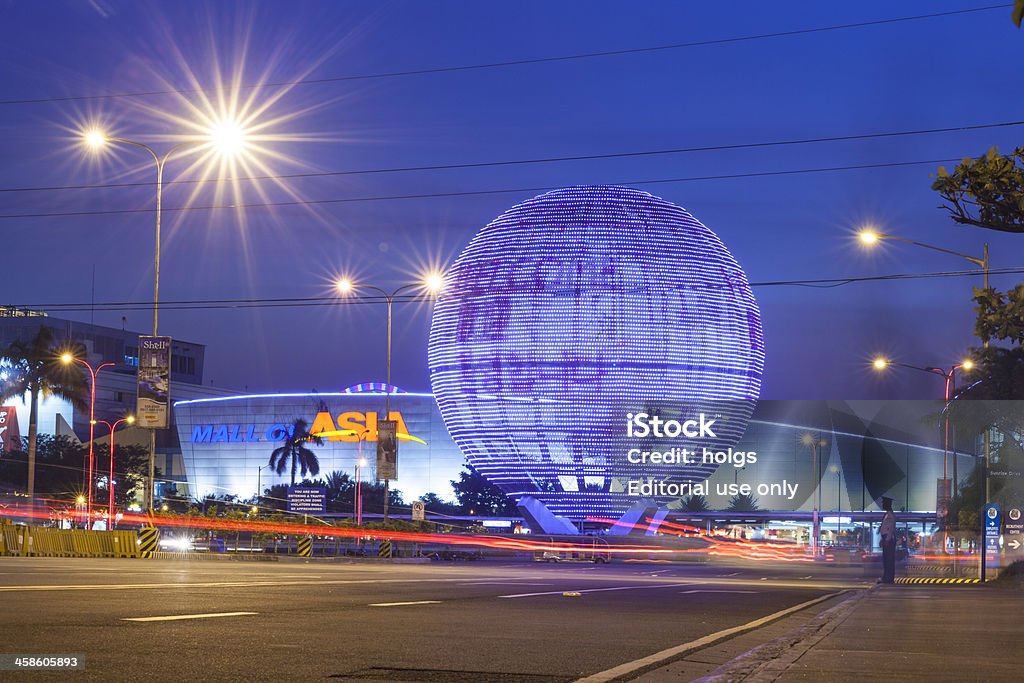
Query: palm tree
(743, 502)
(34, 367)
(695, 503)
(294, 448)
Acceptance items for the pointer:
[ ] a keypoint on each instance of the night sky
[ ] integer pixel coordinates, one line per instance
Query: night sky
(940, 72)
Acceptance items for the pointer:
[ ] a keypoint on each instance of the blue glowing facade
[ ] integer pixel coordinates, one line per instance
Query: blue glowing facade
(571, 308)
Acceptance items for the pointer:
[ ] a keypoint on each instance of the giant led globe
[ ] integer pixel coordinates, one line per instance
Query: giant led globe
(573, 308)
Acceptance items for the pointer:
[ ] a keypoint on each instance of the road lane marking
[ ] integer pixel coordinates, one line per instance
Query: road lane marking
(402, 604)
(657, 657)
(177, 617)
(701, 590)
(733, 574)
(503, 583)
(596, 590)
(215, 584)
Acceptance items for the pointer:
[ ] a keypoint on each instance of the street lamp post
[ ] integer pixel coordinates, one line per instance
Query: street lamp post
(949, 378)
(357, 502)
(432, 283)
(259, 485)
(815, 443)
(67, 359)
(870, 237)
(110, 480)
(228, 138)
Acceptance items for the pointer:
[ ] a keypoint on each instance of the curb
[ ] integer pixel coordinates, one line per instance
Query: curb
(933, 580)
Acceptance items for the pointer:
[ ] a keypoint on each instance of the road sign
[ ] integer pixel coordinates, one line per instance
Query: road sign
(418, 509)
(991, 545)
(309, 500)
(305, 547)
(1013, 530)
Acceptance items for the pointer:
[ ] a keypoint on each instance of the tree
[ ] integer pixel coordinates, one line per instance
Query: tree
(34, 368)
(695, 503)
(987, 192)
(476, 495)
(434, 503)
(1018, 11)
(294, 449)
(744, 502)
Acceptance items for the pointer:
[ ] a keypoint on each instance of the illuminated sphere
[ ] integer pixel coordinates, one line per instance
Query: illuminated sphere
(571, 308)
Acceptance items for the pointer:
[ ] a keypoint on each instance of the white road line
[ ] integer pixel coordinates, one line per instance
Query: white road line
(596, 590)
(402, 604)
(177, 617)
(714, 591)
(503, 583)
(216, 584)
(733, 574)
(650, 660)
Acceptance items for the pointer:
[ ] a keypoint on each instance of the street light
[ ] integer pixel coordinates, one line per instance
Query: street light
(815, 443)
(110, 481)
(432, 283)
(881, 363)
(259, 487)
(838, 471)
(67, 359)
(357, 502)
(870, 237)
(227, 138)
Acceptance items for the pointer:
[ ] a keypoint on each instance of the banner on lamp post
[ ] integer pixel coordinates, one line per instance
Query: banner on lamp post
(152, 405)
(387, 449)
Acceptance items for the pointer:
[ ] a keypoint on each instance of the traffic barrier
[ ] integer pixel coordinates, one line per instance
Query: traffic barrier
(149, 536)
(934, 580)
(384, 549)
(305, 547)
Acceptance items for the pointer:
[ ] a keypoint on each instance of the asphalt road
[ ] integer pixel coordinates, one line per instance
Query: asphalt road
(293, 620)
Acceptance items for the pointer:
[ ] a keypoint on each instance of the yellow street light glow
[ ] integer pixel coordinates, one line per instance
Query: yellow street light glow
(868, 237)
(967, 365)
(130, 419)
(880, 363)
(434, 282)
(227, 137)
(66, 358)
(80, 500)
(344, 285)
(95, 139)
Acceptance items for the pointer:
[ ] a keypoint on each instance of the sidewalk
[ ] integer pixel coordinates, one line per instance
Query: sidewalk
(886, 633)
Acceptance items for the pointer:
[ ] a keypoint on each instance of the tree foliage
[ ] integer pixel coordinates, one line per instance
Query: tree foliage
(34, 368)
(294, 450)
(987, 192)
(1000, 315)
(744, 502)
(478, 496)
(695, 503)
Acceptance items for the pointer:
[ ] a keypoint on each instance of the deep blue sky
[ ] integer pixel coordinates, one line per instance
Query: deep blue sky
(938, 72)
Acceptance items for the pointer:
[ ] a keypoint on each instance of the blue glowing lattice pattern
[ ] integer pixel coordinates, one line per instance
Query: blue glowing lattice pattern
(569, 307)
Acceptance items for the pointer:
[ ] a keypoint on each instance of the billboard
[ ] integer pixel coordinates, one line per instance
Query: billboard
(307, 499)
(387, 449)
(10, 436)
(152, 406)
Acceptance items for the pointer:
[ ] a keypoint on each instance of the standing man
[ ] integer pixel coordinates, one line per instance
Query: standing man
(888, 533)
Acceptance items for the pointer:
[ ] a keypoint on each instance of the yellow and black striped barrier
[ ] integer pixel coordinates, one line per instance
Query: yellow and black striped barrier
(306, 547)
(384, 549)
(934, 580)
(149, 536)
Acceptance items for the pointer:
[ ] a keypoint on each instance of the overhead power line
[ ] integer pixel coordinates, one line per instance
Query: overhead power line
(518, 62)
(304, 302)
(543, 160)
(470, 193)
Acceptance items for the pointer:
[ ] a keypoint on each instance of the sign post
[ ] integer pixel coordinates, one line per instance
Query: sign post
(990, 538)
(153, 395)
(387, 455)
(418, 510)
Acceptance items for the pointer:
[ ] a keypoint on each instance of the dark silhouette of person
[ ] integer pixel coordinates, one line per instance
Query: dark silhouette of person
(888, 534)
